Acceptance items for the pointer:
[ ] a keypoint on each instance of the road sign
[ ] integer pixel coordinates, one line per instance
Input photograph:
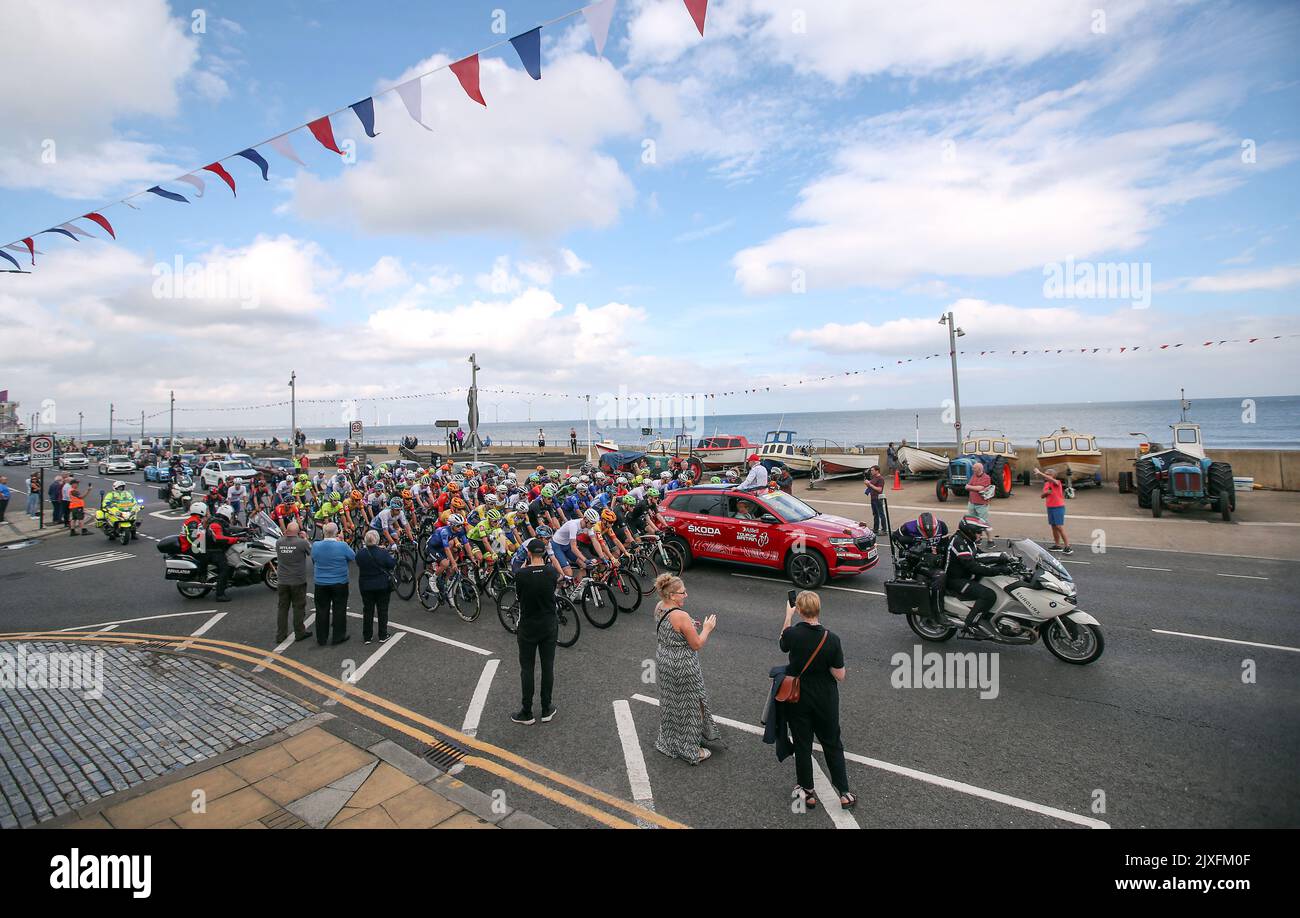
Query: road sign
(42, 454)
(446, 423)
(354, 429)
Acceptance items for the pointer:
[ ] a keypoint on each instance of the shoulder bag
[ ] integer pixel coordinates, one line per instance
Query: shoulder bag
(789, 688)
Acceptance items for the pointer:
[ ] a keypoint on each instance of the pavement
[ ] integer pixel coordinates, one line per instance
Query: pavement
(1189, 719)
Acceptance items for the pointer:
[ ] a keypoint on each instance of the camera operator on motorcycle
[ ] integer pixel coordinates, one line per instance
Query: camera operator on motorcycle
(965, 570)
(219, 538)
(922, 541)
(193, 535)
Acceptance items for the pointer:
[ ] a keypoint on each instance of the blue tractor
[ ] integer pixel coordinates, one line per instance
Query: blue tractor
(1183, 477)
(960, 470)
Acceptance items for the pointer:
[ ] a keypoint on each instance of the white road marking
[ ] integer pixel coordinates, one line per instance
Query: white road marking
(479, 700)
(1073, 516)
(1063, 561)
(1206, 637)
(1242, 576)
(637, 775)
(79, 561)
(370, 662)
(170, 515)
(1134, 567)
(286, 643)
(959, 786)
(203, 629)
(829, 799)
(824, 586)
(108, 628)
(128, 621)
(431, 636)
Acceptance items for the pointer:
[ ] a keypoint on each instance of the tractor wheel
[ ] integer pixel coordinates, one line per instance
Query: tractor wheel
(1223, 507)
(1145, 474)
(1003, 480)
(1221, 482)
(1157, 504)
(941, 490)
(697, 469)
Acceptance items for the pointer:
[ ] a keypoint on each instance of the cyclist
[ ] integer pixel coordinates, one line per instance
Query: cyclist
(391, 523)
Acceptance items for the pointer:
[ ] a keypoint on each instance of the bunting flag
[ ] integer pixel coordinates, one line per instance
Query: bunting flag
(31, 248)
(169, 195)
(282, 146)
(365, 110)
(59, 229)
(127, 201)
(529, 48)
(75, 230)
(198, 184)
(697, 9)
(323, 131)
(412, 95)
(97, 218)
(598, 16)
(9, 258)
(466, 70)
(218, 170)
(256, 159)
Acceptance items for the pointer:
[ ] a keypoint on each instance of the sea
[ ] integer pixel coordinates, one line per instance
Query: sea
(1262, 423)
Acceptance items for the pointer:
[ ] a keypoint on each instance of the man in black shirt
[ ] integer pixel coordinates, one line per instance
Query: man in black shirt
(538, 630)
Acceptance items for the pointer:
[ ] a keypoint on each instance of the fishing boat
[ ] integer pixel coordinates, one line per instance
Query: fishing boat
(988, 442)
(825, 457)
(723, 450)
(915, 462)
(779, 446)
(606, 446)
(1069, 454)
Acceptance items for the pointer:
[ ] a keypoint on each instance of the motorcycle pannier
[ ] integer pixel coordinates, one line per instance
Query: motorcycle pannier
(180, 568)
(906, 597)
(170, 545)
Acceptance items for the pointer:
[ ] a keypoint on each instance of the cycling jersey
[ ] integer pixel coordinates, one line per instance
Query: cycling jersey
(479, 530)
(567, 532)
(388, 520)
(442, 539)
(327, 510)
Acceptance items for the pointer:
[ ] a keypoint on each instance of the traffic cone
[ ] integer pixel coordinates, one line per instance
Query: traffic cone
(898, 481)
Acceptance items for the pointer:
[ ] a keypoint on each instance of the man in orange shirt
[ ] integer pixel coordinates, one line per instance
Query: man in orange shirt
(76, 509)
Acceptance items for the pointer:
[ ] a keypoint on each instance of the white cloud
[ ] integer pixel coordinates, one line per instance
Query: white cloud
(385, 274)
(210, 86)
(1278, 278)
(507, 276)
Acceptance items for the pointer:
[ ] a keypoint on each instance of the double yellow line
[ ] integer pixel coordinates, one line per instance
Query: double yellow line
(491, 759)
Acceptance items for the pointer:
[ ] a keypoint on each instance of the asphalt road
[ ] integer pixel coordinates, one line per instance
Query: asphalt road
(1163, 726)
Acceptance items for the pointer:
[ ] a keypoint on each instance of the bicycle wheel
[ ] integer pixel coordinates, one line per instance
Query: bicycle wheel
(626, 588)
(508, 610)
(497, 583)
(405, 579)
(598, 604)
(570, 622)
(466, 601)
(646, 572)
(429, 596)
(676, 560)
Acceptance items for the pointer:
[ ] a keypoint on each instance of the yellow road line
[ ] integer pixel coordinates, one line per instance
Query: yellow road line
(337, 690)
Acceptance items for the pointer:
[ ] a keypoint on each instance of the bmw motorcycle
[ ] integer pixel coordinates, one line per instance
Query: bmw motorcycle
(252, 560)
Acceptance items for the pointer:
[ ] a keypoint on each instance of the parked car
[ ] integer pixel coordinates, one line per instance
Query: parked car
(16, 459)
(227, 469)
(161, 471)
(116, 465)
(275, 467)
(74, 461)
(780, 533)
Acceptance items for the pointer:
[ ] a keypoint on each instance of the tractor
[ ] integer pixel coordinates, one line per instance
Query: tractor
(1181, 477)
(960, 470)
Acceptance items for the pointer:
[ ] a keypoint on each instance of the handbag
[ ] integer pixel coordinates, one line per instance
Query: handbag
(789, 688)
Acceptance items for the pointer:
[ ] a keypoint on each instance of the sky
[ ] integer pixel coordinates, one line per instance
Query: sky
(802, 192)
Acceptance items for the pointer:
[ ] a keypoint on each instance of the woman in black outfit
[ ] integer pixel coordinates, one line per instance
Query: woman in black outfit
(817, 712)
(374, 564)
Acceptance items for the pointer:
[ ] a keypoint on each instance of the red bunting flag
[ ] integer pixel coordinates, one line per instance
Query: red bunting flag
(697, 9)
(31, 248)
(323, 131)
(219, 170)
(97, 218)
(466, 71)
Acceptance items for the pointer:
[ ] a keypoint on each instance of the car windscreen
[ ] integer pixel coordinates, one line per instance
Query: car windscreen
(788, 507)
(236, 467)
(119, 458)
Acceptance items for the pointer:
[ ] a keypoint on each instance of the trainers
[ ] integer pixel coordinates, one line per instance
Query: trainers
(523, 717)
(366, 641)
(383, 638)
(1067, 550)
(548, 715)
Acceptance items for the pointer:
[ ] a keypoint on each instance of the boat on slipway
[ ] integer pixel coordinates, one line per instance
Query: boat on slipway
(818, 458)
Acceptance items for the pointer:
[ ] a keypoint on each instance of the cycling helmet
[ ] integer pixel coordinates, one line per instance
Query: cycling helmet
(731, 475)
(773, 486)
(200, 508)
(406, 494)
(651, 493)
(493, 515)
(226, 511)
(601, 476)
(608, 516)
(716, 479)
(591, 516)
(927, 526)
(585, 479)
(490, 498)
(459, 481)
(534, 478)
(503, 488)
(548, 491)
(683, 476)
(395, 504)
(335, 496)
(621, 480)
(544, 532)
(303, 477)
(666, 475)
(356, 495)
(972, 526)
(457, 503)
(455, 521)
(629, 500)
(637, 480)
(571, 480)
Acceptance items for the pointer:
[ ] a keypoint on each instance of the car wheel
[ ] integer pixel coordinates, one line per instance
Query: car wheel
(806, 569)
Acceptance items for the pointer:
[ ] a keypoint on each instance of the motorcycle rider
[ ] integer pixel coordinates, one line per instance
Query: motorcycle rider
(965, 570)
(922, 540)
(193, 537)
(925, 529)
(218, 540)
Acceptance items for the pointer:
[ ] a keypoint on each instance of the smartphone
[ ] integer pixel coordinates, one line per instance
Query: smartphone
(790, 597)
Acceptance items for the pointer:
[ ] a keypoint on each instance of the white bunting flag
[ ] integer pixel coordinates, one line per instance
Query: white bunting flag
(598, 16)
(75, 230)
(413, 98)
(195, 181)
(282, 146)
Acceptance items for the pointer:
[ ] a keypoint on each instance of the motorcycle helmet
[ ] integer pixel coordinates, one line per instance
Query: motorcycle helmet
(199, 507)
(119, 486)
(927, 526)
(591, 516)
(395, 504)
(225, 511)
(972, 527)
(608, 516)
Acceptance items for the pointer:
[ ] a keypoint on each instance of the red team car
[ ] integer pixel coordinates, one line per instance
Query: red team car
(772, 530)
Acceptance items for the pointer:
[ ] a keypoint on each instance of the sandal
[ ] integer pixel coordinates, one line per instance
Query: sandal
(852, 799)
(705, 755)
(809, 797)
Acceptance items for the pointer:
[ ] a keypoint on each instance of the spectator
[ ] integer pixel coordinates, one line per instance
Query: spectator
(538, 630)
(685, 722)
(541, 438)
(68, 482)
(573, 440)
(34, 495)
(4, 497)
(817, 658)
(891, 458)
(291, 553)
(374, 569)
(977, 500)
(55, 494)
(1054, 494)
(330, 560)
(876, 487)
(76, 504)
(757, 477)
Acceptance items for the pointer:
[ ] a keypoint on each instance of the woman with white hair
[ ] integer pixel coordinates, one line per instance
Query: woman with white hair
(375, 566)
(685, 722)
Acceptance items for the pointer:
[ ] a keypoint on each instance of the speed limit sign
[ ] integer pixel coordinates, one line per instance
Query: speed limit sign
(354, 429)
(42, 455)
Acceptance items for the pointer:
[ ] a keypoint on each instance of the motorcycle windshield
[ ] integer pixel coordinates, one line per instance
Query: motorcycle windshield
(267, 525)
(1034, 555)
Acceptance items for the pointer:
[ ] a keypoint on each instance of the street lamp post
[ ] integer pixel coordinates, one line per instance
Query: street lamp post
(80, 417)
(529, 403)
(473, 420)
(953, 334)
(110, 426)
(293, 417)
(171, 430)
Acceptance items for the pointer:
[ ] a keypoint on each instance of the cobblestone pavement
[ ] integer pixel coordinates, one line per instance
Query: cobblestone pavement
(134, 716)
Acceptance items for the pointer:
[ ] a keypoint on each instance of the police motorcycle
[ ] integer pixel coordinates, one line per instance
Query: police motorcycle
(119, 518)
(252, 560)
(1036, 598)
(178, 492)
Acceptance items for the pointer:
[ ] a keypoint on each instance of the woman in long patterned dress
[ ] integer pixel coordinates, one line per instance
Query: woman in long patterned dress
(685, 722)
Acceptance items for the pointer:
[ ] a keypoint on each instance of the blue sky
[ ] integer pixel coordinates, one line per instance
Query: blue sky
(827, 177)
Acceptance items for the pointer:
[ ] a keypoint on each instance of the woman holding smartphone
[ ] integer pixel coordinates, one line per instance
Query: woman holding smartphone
(685, 722)
(817, 658)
